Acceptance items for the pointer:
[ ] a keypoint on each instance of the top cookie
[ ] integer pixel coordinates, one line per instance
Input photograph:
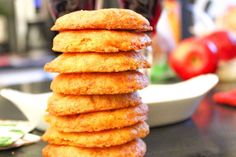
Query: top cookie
(117, 19)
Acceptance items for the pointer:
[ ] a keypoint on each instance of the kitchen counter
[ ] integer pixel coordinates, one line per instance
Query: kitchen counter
(211, 132)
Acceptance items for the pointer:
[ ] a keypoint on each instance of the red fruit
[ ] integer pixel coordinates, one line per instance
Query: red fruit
(194, 57)
(225, 42)
(227, 98)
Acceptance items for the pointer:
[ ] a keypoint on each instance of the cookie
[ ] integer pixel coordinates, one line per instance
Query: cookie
(97, 62)
(99, 83)
(100, 139)
(60, 104)
(99, 41)
(136, 148)
(98, 121)
(121, 19)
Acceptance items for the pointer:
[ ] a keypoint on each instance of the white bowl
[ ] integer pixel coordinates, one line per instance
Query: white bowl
(173, 103)
(167, 103)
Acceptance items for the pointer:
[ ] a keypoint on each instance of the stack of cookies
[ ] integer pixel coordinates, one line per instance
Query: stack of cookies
(95, 110)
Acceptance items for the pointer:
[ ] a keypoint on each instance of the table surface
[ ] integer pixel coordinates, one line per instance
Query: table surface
(211, 132)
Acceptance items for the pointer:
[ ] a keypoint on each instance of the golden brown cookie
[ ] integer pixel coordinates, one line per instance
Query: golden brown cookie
(97, 139)
(98, 121)
(60, 104)
(136, 148)
(97, 62)
(99, 83)
(99, 41)
(102, 19)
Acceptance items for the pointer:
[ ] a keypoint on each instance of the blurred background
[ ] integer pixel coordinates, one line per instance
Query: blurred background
(26, 39)
(190, 38)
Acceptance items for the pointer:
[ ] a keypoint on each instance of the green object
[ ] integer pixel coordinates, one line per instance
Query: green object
(162, 73)
(17, 131)
(11, 131)
(7, 125)
(5, 141)
(8, 137)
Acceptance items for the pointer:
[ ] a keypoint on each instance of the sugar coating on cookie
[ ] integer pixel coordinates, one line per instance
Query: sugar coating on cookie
(102, 41)
(98, 121)
(99, 139)
(135, 148)
(121, 19)
(97, 62)
(61, 104)
(99, 83)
